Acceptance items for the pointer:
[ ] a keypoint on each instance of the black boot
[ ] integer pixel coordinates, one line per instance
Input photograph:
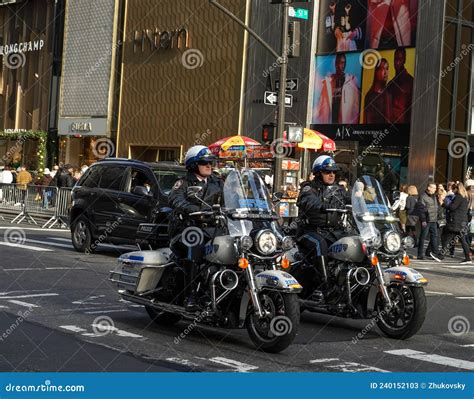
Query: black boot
(190, 302)
(321, 267)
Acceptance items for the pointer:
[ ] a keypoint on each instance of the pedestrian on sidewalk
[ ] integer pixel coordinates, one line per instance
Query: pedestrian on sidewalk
(412, 217)
(457, 220)
(428, 213)
(470, 234)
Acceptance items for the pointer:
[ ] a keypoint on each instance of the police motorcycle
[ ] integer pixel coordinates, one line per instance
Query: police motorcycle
(241, 284)
(367, 275)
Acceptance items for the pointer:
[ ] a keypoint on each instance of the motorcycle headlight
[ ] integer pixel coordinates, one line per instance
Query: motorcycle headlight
(392, 241)
(266, 242)
(408, 242)
(246, 243)
(287, 243)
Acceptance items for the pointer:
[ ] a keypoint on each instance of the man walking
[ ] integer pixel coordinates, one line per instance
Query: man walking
(428, 214)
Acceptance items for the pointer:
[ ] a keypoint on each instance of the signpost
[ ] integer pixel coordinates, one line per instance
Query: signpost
(301, 13)
(271, 98)
(291, 84)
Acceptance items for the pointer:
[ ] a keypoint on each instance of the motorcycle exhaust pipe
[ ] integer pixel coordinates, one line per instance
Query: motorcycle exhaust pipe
(361, 276)
(228, 280)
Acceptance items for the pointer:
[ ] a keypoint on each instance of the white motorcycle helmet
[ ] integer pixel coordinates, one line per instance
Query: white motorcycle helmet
(196, 154)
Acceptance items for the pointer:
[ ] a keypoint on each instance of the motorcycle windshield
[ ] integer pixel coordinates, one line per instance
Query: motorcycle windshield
(246, 199)
(370, 208)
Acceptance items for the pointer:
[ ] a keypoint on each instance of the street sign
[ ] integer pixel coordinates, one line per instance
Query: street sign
(301, 13)
(291, 84)
(271, 98)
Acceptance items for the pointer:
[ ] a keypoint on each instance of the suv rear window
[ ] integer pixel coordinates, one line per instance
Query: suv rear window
(167, 177)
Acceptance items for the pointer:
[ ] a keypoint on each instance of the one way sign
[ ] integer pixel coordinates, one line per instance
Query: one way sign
(291, 84)
(271, 98)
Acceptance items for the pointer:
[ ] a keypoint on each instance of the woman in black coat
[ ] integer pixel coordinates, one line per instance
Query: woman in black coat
(456, 223)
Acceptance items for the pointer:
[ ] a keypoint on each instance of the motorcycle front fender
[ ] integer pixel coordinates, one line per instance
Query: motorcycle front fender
(277, 280)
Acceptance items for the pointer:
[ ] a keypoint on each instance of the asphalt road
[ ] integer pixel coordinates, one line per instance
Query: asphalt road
(52, 299)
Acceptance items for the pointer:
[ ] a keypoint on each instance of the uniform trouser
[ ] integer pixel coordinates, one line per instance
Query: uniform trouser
(314, 248)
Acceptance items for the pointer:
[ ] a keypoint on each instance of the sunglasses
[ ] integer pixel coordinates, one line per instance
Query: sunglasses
(328, 172)
(204, 163)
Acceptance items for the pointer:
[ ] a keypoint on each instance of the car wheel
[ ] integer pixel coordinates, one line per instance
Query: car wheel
(82, 235)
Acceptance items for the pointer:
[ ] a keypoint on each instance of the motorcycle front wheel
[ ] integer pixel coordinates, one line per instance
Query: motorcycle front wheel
(406, 316)
(278, 329)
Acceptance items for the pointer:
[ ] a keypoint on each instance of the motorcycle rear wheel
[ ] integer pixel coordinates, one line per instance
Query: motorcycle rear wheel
(408, 314)
(277, 331)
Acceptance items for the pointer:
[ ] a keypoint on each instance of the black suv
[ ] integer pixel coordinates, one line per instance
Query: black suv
(122, 201)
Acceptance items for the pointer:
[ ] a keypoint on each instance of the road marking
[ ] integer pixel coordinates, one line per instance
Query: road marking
(184, 362)
(108, 311)
(88, 300)
(438, 293)
(39, 229)
(468, 346)
(24, 269)
(54, 244)
(347, 367)
(25, 304)
(324, 360)
(73, 328)
(238, 366)
(443, 360)
(465, 297)
(23, 246)
(3, 307)
(65, 268)
(121, 333)
(27, 296)
(21, 269)
(459, 267)
(124, 247)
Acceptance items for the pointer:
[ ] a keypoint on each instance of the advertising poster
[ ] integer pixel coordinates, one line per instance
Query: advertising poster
(387, 86)
(391, 23)
(342, 25)
(337, 89)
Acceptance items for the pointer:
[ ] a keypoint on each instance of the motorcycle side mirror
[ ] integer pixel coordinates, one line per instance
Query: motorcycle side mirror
(396, 196)
(193, 190)
(277, 196)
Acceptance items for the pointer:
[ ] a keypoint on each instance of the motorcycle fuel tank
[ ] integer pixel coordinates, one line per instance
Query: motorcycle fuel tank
(347, 249)
(222, 251)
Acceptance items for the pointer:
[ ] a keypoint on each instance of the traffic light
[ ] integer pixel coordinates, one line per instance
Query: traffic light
(268, 132)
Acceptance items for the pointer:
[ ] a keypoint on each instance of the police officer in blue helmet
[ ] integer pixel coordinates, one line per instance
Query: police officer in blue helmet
(189, 235)
(318, 226)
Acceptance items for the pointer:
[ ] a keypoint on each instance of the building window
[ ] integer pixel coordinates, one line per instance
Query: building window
(154, 154)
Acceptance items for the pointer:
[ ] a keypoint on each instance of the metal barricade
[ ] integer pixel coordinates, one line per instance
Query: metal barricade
(12, 200)
(62, 202)
(39, 201)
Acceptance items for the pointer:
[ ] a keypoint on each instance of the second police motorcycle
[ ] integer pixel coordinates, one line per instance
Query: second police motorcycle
(367, 275)
(241, 284)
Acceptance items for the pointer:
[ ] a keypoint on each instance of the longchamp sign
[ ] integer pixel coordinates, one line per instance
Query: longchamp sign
(23, 47)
